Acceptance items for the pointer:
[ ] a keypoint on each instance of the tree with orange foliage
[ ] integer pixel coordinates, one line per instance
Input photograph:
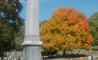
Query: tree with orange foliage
(67, 29)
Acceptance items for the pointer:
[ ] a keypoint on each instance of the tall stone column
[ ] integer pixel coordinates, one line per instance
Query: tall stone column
(32, 44)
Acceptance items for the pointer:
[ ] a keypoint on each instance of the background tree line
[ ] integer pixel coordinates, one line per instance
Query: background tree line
(10, 24)
(93, 23)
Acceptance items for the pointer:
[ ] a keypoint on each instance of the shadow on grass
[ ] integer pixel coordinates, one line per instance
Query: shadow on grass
(95, 49)
(66, 56)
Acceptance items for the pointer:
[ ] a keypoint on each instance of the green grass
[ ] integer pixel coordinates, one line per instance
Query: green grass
(91, 52)
(68, 59)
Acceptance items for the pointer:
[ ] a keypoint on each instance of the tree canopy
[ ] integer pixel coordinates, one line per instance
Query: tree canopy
(67, 29)
(93, 22)
(10, 23)
(19, 37)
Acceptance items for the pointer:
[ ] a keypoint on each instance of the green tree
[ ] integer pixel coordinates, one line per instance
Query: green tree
(42, 22)
(10, 23)
(93, 22)
(19, 37)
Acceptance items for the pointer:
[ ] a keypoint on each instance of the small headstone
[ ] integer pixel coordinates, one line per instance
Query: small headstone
(90, 57)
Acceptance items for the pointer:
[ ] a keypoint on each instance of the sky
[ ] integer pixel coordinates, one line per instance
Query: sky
(47, 7)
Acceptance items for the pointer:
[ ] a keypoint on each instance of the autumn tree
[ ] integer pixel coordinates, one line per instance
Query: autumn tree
(10, 23)
(67, 29)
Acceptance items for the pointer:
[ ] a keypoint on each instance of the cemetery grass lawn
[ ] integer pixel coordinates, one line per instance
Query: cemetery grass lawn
(92, 52)
(69, 59)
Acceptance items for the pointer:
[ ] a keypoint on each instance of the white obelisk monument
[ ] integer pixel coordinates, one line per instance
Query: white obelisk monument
(32, 43)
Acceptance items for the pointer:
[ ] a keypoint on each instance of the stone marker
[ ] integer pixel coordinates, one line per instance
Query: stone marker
(32, 44)
(90, 57)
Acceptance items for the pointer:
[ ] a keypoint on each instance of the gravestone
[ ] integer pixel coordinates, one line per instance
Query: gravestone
(90, 57)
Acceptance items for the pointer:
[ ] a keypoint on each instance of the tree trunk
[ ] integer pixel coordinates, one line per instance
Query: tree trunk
(64, 52)
(2, 55)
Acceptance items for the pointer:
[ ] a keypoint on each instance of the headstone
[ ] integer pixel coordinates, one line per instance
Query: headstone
(90, 57)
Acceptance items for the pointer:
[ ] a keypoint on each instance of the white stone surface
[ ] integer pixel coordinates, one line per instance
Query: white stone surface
(89, 57)
(32, 20)
(32, 53)
(32, 44)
